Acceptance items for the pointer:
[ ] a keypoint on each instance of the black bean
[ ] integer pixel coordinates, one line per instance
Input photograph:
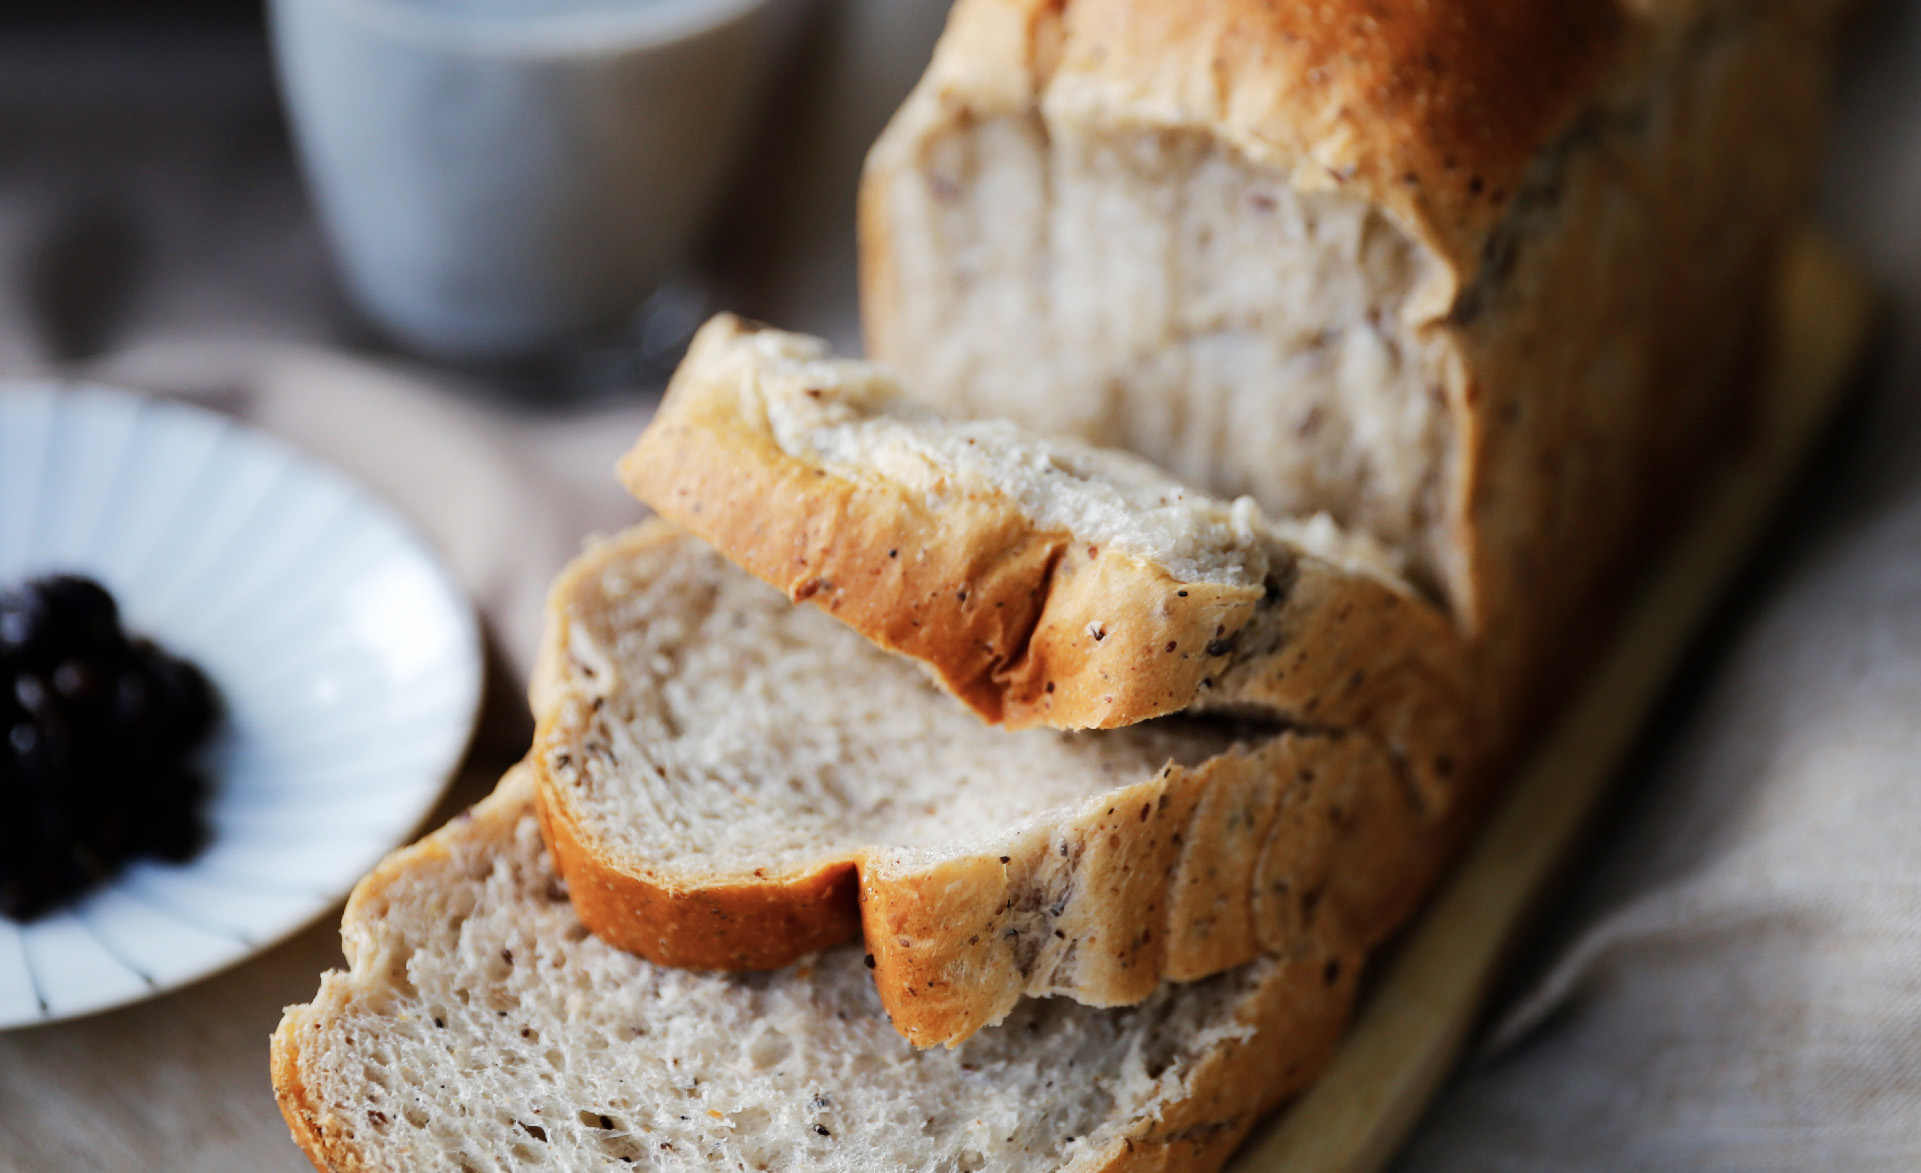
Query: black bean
(31, 693)
(95, 729)
(26, 622)
(76, 680)
(83, 611)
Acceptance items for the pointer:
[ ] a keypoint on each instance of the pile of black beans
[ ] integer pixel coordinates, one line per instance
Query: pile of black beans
(96, 732)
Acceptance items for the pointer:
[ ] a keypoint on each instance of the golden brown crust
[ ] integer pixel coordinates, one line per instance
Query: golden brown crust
(1297, 1016)
(1031, 626)
(1188, 874)
(1119, 640)
(1346, 651)
(1294, 1020)
(738, 924)
(1431, 110)
(1579, 448)
(303, 1116)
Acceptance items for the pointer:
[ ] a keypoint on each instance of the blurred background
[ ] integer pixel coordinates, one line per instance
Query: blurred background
(153, 190)
(175, 219)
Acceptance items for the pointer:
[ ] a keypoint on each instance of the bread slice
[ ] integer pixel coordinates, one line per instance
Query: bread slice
(731, 782)
(480, 1027)
(1477, 279)
(1044, 582)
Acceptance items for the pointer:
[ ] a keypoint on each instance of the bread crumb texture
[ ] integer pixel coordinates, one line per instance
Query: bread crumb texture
(481, 1027)
(694, 688)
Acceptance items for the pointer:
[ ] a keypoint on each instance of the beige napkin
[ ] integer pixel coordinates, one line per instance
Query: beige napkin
(1744, 988)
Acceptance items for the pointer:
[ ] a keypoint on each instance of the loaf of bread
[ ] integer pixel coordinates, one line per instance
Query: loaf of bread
(732, 782)
(1476, 279)
(480, 1026)
(1044, 581)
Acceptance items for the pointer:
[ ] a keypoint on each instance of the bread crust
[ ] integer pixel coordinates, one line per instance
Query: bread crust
(744, 925)
(1030, 626)
(298, 1107)
(1295, 1022)
(1264, 849)
(1346, 651)
(1298, 1017)
(317, 1128)
(1288, 836)
(749, 922)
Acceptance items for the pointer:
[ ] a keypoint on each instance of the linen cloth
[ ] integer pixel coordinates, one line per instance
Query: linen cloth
(1731, 984)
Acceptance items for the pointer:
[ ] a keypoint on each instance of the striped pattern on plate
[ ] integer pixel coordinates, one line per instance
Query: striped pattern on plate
(347, 660)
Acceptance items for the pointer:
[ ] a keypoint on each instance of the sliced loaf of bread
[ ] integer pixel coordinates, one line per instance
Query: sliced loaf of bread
(1481, 280)
(480, 1027)
(1044, 581)
(731, 782)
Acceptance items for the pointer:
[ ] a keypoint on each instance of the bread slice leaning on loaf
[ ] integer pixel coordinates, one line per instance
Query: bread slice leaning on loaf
(730, 782)
(480, 1026)
(1043, 581)
(1479, 278)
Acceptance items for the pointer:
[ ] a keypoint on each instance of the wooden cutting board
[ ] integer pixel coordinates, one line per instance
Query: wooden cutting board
(1419, 1014)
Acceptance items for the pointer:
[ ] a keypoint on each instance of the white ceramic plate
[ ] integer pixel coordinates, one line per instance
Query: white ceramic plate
(348, 663)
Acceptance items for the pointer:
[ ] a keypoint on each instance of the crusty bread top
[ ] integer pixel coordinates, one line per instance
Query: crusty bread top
(1431, 108)
(956, 543)
(479, 1026)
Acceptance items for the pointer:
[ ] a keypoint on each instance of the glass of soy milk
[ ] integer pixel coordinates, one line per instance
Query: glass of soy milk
(499, 178)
